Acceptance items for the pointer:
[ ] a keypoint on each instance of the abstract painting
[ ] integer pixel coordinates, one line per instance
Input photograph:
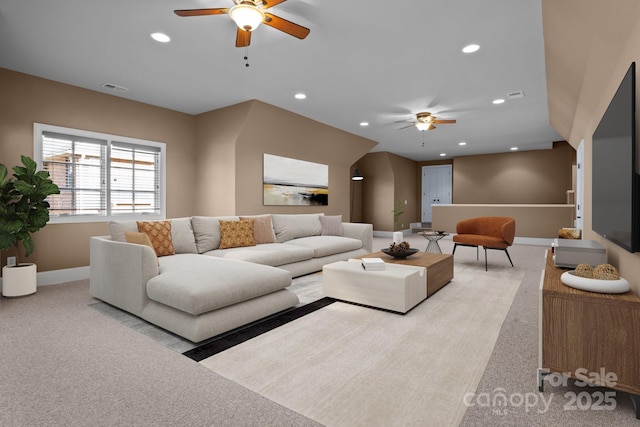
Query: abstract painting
(294, 182)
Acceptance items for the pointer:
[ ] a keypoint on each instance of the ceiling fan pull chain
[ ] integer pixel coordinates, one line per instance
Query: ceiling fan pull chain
(246, 56)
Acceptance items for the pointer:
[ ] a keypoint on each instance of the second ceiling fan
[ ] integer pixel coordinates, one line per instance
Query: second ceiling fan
(248, 14)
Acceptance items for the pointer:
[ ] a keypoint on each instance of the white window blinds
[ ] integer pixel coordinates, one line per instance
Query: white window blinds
(101, 175)
(135, 179)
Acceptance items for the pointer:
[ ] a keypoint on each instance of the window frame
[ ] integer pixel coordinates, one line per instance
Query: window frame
(40, 128)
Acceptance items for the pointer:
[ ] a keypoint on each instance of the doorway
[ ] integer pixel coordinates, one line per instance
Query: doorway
(436, 188)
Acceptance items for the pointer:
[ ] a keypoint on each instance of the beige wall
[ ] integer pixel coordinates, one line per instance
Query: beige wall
(541, 176)
(231, 145)
(405, 187)
(588, 49)
(26, 99)
(214, 160)
(216, 135)
(532, 220)
(388, 178)
(527, 177)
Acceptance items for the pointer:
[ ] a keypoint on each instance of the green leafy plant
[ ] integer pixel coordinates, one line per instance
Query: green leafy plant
(23, 205)
(398, 210)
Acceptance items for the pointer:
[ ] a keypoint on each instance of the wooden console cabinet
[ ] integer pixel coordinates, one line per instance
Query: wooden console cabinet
(589, 331)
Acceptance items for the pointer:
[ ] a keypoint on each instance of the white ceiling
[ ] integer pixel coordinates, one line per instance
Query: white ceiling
(364, 60)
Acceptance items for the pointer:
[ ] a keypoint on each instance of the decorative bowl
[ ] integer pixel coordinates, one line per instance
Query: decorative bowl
(400, 255)
(619, 286)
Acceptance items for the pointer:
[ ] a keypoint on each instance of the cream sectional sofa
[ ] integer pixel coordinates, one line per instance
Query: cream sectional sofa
(203, 290)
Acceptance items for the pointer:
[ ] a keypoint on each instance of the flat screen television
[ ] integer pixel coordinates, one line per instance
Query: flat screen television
(615, 180)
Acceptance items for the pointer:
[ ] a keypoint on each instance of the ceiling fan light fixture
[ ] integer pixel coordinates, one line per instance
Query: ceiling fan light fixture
(423, 125)
(247, 17)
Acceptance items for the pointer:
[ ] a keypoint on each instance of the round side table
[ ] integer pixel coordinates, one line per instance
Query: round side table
(433, 237)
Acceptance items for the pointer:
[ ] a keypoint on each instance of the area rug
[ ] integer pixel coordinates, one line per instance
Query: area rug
(349, 365)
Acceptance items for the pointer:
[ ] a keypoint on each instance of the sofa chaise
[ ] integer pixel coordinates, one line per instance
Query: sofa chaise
(202, 276)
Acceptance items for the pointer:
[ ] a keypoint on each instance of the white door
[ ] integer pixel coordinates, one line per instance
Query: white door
(579, 184)
(436, 188)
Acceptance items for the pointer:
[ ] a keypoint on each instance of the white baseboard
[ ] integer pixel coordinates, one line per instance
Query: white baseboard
(61, 276)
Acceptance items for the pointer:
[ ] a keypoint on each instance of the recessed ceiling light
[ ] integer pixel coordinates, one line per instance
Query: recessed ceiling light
(161, 37)
(498, 101)
(462, 143)
(300, 96)
(470, 48)
(443, 154)
(514, 148)
(364, 123)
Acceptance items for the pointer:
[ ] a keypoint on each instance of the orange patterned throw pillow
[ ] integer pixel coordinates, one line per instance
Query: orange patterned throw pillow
(236, 234)
(159, 233)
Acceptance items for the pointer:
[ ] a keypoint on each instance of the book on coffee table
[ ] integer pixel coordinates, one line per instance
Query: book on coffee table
(373, 264)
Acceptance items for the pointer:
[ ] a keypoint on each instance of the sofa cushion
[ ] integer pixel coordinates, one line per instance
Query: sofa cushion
(293, 226)
(236, 234)
(197, 284)
(184, 241)
(262, 228)
(206, 230)
(331, 225)
(159, 233)
(327, 245)
(480, 240)
(273, 254)
(181, 233)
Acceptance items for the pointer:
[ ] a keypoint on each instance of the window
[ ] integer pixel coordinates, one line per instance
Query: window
(101, 176)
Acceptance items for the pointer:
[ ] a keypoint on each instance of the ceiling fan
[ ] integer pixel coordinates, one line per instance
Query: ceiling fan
(248, 15)
(427, 121)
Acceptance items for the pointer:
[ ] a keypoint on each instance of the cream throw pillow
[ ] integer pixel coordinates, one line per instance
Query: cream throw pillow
(331, 225)
(262, 228)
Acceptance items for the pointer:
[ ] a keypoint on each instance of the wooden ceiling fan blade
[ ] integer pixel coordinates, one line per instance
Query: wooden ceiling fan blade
(271, 3)
(243, 38)
(202, 12)
(440, 122)
(286, 26)
(431, 127)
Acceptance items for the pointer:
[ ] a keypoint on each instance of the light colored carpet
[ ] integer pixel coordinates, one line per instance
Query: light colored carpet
(347, 365)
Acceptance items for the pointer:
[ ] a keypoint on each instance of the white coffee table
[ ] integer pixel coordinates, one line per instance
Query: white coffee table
(397, 288)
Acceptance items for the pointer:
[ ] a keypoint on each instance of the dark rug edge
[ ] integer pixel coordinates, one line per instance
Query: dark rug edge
(230, 339)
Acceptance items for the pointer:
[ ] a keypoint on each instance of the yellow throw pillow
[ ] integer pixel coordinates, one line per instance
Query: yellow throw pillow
(236, 234)
(139, 239)
(159, 233)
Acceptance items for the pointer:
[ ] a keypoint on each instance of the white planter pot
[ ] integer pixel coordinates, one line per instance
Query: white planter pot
(19, 281)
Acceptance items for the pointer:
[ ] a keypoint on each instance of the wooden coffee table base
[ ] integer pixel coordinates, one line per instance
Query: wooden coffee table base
(439, 267)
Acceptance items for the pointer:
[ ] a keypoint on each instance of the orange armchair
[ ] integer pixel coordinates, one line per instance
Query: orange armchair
(490, 232)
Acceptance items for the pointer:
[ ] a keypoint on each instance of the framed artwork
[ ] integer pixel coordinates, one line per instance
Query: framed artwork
(294, 182)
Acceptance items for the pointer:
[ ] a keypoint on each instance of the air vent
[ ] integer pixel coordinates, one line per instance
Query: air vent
(114, 88)
(517, 94)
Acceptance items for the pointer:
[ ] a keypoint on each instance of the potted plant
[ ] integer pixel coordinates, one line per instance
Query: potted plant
(23, 211)
(398, 210)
